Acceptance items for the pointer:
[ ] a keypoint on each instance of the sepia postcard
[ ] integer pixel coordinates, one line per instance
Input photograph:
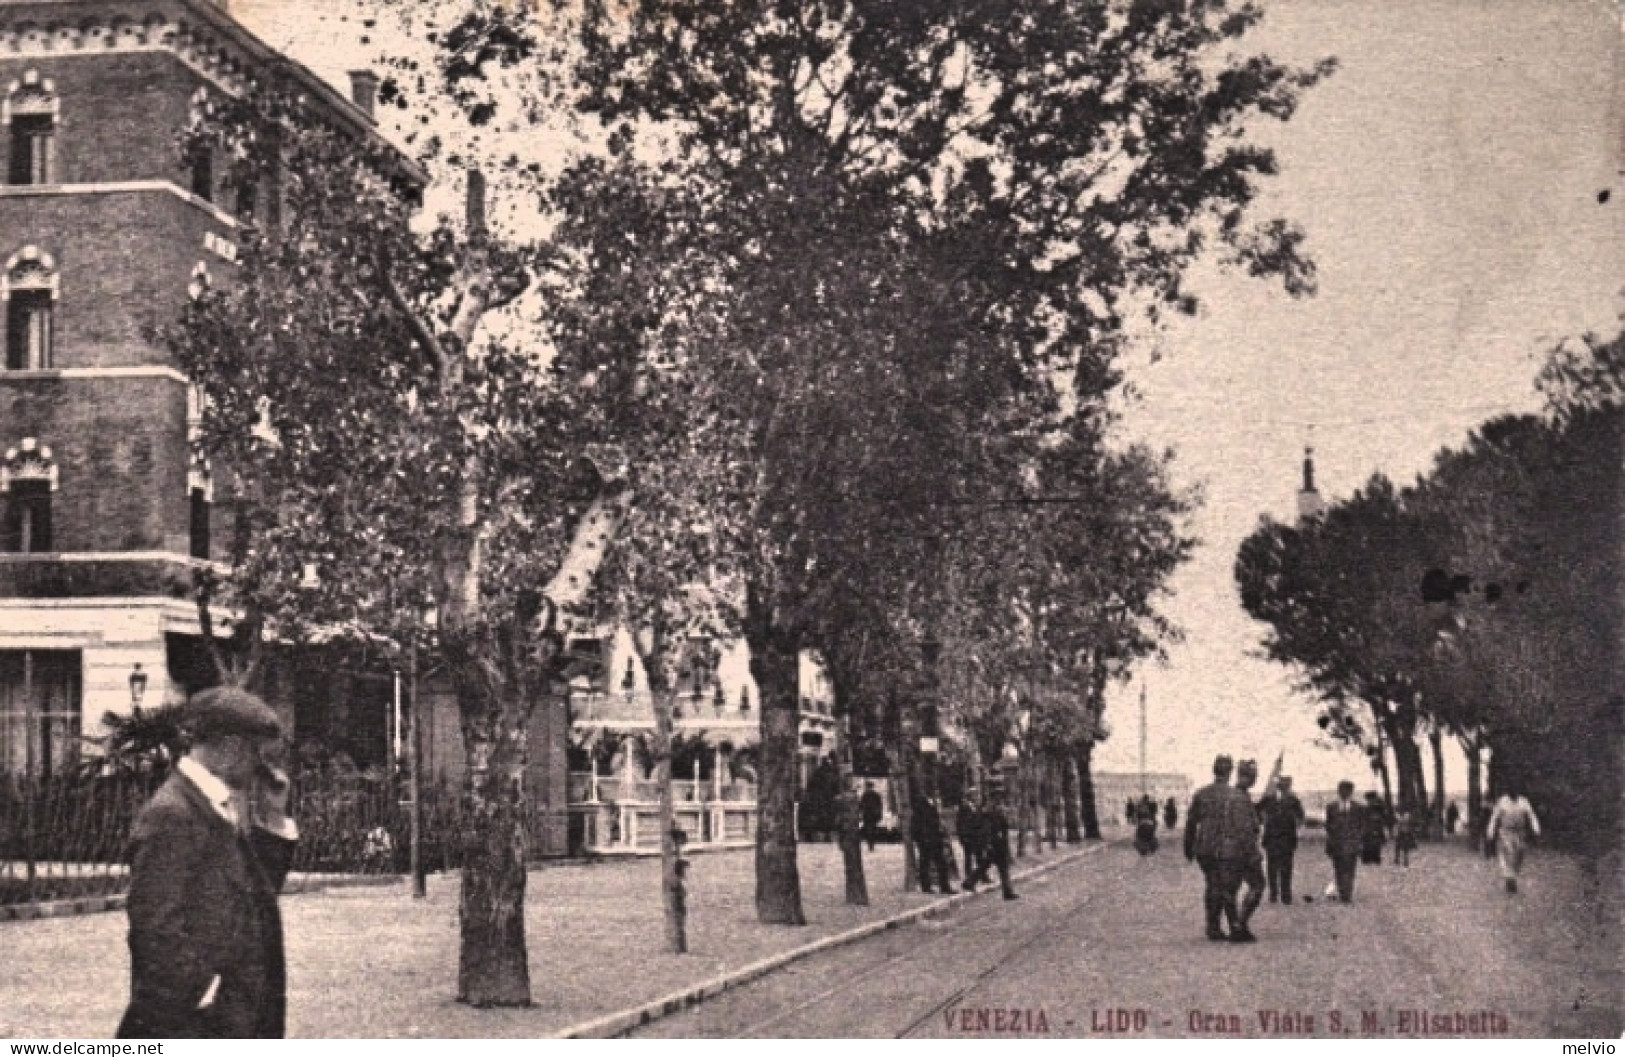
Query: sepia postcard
(953, 519)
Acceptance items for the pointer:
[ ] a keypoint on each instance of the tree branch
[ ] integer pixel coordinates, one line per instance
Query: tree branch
(431, 345)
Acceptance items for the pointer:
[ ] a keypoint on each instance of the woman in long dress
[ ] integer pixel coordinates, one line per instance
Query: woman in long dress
(1512, 823)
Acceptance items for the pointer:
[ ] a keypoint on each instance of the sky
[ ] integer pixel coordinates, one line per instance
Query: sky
(1448, 177)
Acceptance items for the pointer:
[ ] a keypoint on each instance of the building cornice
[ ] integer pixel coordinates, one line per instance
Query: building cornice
(111, 558)
(8, 605)
(198, 33)
(93, 373)
(121, 187)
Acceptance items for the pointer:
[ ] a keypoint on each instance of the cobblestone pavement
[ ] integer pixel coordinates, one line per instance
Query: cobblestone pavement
(1112, 946)
(372, 962)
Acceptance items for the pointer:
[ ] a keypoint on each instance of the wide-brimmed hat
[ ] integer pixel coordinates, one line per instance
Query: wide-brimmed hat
(226, 710)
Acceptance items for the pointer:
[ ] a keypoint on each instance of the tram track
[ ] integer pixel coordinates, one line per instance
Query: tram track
(852, 985)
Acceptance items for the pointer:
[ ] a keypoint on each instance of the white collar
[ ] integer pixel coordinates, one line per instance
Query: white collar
(210, 785)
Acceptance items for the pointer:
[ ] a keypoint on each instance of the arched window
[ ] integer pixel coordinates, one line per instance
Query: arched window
(31, 114)
(28, 293)
(28, 476)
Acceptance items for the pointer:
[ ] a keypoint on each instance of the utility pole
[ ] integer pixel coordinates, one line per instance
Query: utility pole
(1144, 788)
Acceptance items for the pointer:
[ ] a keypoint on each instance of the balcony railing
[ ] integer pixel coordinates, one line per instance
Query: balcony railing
(637, 710)
(614, 814)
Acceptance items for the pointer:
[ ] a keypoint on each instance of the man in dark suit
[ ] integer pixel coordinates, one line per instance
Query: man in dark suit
(972, 829)
(925, 827)
(1345, 823)
(211, 850)
(1282, 813)
(871, 810)
(996, 844)
(1217, 839)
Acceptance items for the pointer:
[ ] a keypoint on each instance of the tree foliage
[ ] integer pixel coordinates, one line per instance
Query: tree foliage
(1483, 601)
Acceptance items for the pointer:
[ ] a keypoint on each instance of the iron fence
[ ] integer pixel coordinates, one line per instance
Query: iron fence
(66, 837)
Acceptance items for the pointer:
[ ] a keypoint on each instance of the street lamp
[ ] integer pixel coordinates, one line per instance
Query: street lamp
(138, 685)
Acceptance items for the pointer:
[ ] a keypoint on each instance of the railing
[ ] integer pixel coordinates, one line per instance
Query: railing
(638, 708)
(611, 814)
(67, 837)
(590, 789)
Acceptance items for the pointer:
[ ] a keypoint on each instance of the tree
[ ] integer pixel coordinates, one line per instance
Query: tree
(1439, 605)
(378, 428)
(1005, 183)
(1339, 595)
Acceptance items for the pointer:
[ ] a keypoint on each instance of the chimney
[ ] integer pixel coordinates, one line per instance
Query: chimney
(364, 91)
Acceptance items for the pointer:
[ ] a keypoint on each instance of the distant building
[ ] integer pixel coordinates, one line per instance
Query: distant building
(1113, 792)
(716, 728)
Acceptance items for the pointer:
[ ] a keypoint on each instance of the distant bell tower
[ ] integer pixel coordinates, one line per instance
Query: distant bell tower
(1309, 502)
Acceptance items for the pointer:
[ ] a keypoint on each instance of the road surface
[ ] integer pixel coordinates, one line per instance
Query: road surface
(1112, 945)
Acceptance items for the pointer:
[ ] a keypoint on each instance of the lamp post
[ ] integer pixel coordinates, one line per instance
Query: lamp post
(414, 758)
(28, 769)
(138, 686)
(930, 652)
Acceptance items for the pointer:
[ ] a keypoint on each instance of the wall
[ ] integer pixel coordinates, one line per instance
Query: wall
(110, 106)
(120, 448)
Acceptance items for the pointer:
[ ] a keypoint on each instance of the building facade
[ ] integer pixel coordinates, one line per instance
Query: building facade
(104, 233)
(716, 727)
(1113, 791)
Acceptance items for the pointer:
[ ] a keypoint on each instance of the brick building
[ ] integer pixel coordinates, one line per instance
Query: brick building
(103, 230)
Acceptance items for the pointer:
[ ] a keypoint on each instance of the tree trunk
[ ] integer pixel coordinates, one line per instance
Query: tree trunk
(1086, 791)
(492, 966)
(848, 815)
(851, 838)
(1024, 820)
(673, 898)
(1475, 787)
(778, 880)
(1069, 799)
(905, 827)
(1413, 796)
(1436, 822)
(908, 759)
(1382, 767)
(1052, 809)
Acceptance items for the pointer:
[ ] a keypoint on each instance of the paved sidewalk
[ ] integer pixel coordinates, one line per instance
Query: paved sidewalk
(372, 962)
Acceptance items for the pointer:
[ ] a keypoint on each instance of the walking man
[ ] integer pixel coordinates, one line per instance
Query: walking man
(926, 830)
(1282, 813)
(1213, 840)
(1512, 823)
(972, 827)
(871, 811)
(1249, 865)
(996, 844)
(1345, 829)
(211, 850)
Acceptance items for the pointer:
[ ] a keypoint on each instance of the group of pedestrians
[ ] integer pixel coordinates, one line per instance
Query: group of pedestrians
(1222, 835)
(1232, 840)
(984, 840)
